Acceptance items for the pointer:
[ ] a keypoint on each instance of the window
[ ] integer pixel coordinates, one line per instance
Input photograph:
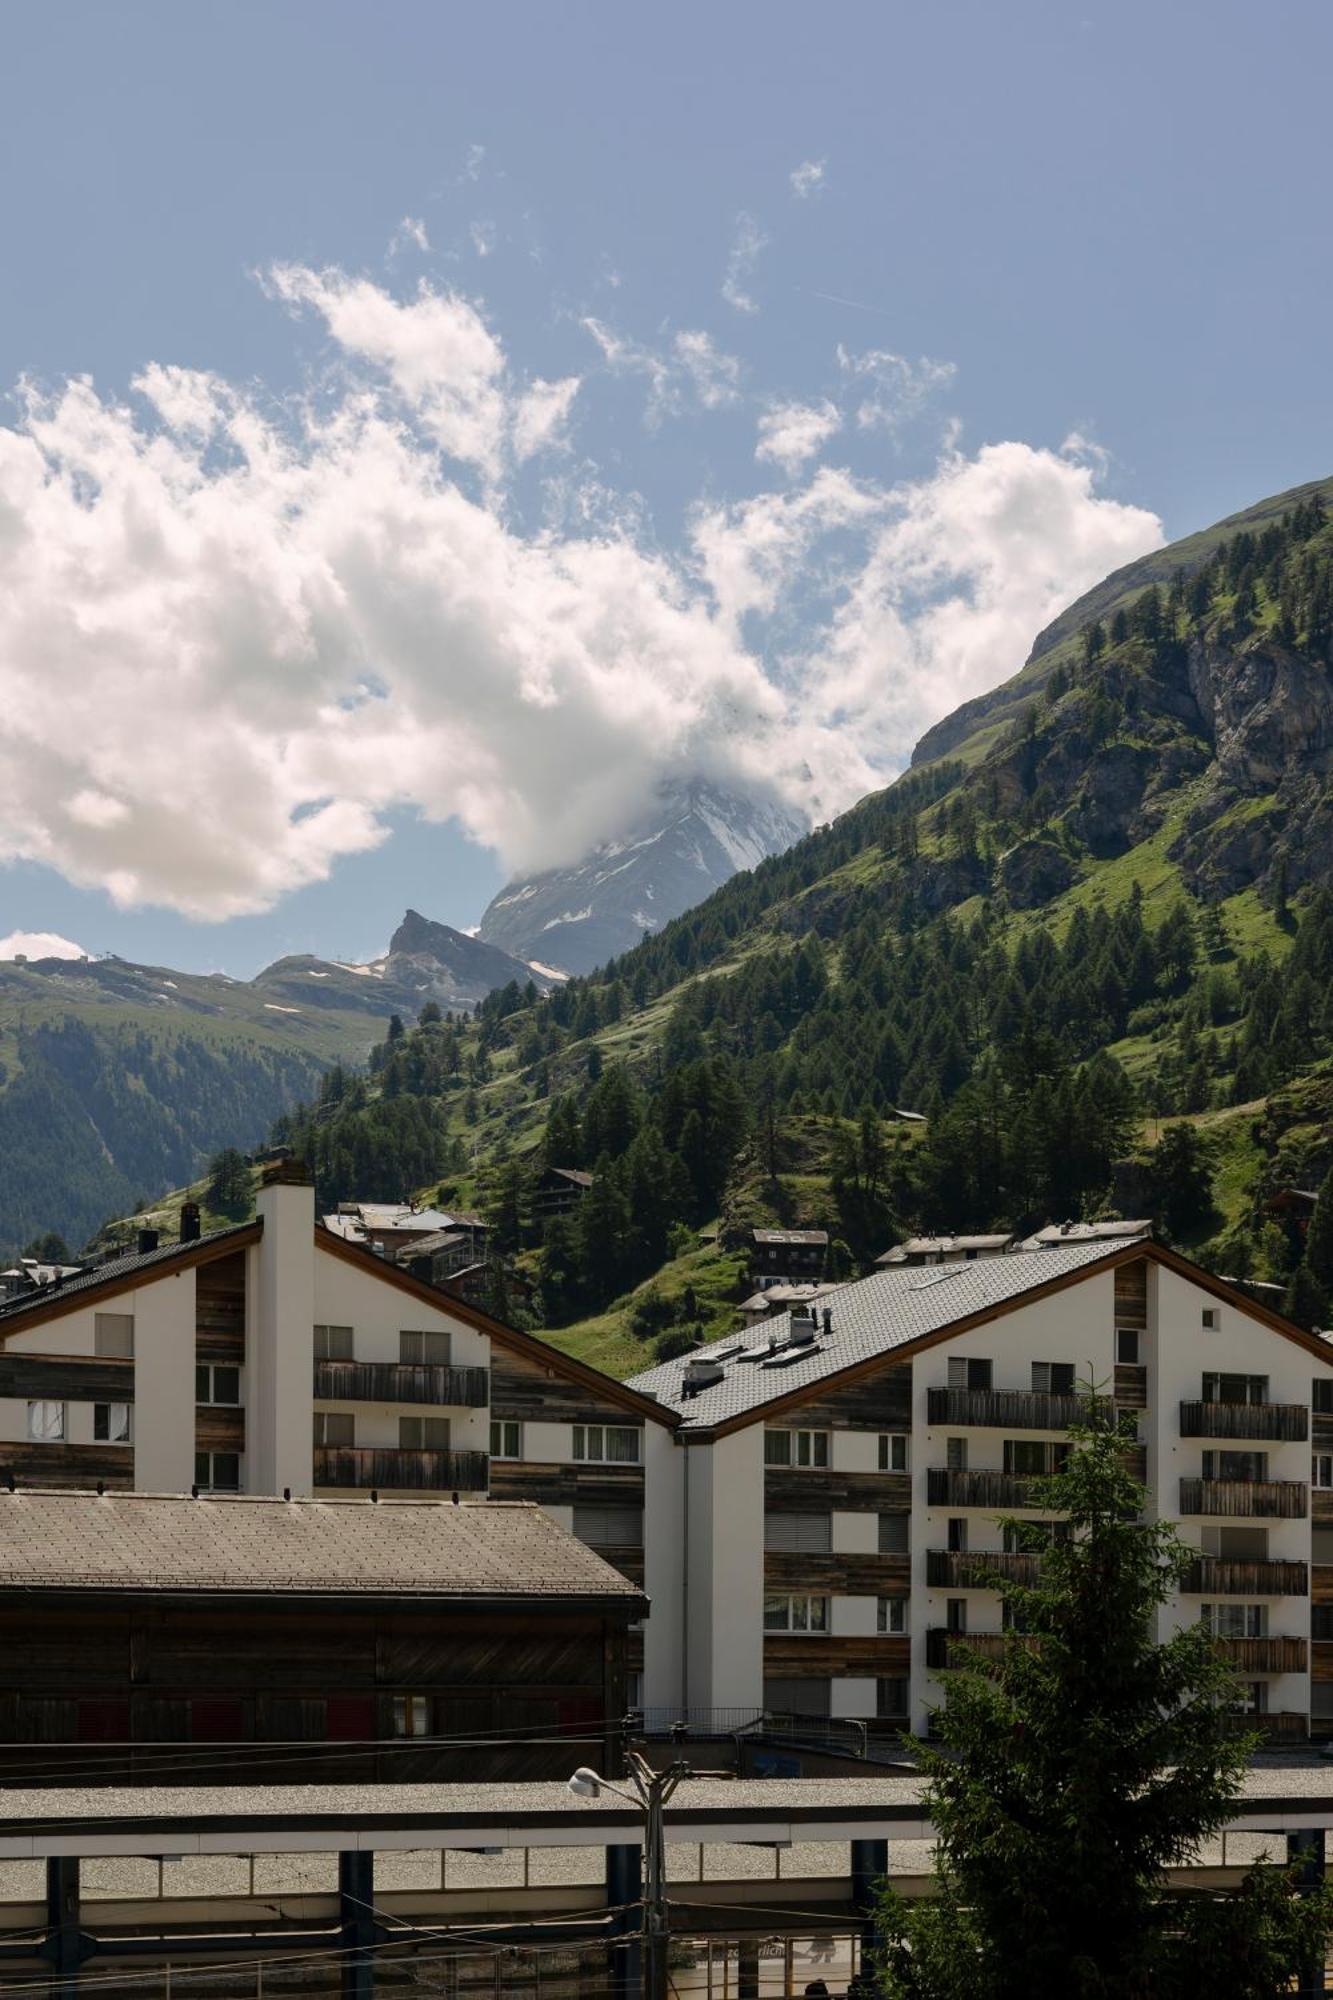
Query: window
(1235, 1621)
(1127, 1345)
(966, 1373)
(893, 1453)
(1032, 1458)
(111, 1423)
(333, 1343)
(796, 1614)
(1321, 1398)
(217, 1471)
(891, 1614)
(606, 1444)
(609, 1527)
(1321, 1469)
(113, 1334)
(1053, 1378)
(434, 1348)
(1253, 1698)
(1246, 1465)
(1321, 1698)
(891, 1698)
(506, 1438)
(411, 1715)
(334, 1427)
(798, 1697)
(1235, 1388)
(217, 1385)
(46, 1423)
(1210, 1318)
(956, 1537)
(807, 1449)
(893, 1534)
(807, 1534)
(1022, 1538)
(1236, 1544)
(423, 1433)
(955, 1454)
(1321, 1622)
(1321, 1545)
(955, 1614)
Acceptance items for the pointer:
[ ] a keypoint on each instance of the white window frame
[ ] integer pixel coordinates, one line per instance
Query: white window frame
(797, 1611)
(504, 1425)
(425, 1338)
(1132, 1335)
(591, 1444)
(48, 1421)
(411, 1715)
(117, 1423)
(1321, 1469)
(893, 1452)
(1253, 1618)
(212, 1401)
(891, 1615)
(805, 1451)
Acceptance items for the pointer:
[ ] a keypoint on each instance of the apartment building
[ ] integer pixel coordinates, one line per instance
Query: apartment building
(845, 1475)
(278, 1356)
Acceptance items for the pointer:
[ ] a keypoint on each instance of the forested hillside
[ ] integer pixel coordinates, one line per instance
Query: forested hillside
(1107, 909)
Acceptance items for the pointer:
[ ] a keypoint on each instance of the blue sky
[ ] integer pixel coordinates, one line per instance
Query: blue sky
(1092, 238)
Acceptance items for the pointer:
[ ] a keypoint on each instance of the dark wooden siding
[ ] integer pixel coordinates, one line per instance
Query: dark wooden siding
(68, 1465)
(1131, 1293)
(219, 1312)
(567, 1485)
(217, 1427)
(524, 1389)
(837, 1576)
(788, 1490)
(879, 1402)
(801, 1656)
(67, 1378)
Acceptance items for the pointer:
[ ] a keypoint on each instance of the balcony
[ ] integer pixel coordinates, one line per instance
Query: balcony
(1280, 1423)
(1246, 1499)
(1013, 1409)
(977, 1489)
(402, 1471)
(945, 1649)
(1266, 1656)
(402, 1382)
(950, 1569)
(1221, 1576)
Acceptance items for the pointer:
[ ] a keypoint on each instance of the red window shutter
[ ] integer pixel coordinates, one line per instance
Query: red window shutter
(351, 1719)
(104, 1722)
(217, 1721)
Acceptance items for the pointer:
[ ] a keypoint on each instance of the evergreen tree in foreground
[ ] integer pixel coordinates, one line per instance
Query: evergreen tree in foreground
(1071, 1775)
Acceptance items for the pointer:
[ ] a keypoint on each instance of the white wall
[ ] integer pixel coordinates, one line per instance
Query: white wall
(664, 1565)
(725, 1552)
(164, 1316)
(280, 1343)
(377, 1311)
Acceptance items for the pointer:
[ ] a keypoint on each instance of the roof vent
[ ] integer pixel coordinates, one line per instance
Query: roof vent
(803, 1330)
(701, 1374)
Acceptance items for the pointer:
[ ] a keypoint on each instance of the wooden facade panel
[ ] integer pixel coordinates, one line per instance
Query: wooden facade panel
(69, 1465)
(66, 1378)
(1131, 1294)
(548, 1654)
(791, 1491)
(798, 1655)
(1321, 1506)
(837, 1576)
(567, 1485)
(1131, 1385)
(628, 1560)
(524, 1389)
(218, 1428)
(219, 1317)
(49, 1649)
(879, 1402)
(1321, 1583)
(1321, 1660)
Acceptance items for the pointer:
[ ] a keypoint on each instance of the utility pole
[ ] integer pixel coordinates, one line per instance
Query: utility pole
(652, 1790)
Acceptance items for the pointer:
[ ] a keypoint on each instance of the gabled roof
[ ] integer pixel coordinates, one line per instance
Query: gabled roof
(896, 1312)
(247, 1544)
(122, 1274)
(774, 1238)
(917, 1246)
(576, 1176)
(1087, 1232)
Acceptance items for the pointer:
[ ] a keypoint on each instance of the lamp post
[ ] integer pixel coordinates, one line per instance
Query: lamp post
(651, 1791)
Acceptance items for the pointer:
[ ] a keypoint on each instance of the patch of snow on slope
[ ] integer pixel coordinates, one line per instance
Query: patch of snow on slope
(568, 917)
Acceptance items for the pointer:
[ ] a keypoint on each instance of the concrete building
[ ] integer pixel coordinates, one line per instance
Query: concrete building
(843, 1476)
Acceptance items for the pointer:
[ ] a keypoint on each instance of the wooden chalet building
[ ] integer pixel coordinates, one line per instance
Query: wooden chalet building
(558, 1191)
(291, 1640)
(787, 1256)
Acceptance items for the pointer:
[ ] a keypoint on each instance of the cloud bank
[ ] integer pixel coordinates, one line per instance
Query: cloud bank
(235, 635)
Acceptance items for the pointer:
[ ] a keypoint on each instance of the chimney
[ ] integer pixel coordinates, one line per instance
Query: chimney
(189, 1222)
(147, 1241)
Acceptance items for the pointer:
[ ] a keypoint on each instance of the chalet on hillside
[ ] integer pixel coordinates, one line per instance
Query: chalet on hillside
(386, 1227)
(1058, 1235)
(559, 1190)
(945, 1249)
(442, 1254)
(132, 1623)
(793, 1255)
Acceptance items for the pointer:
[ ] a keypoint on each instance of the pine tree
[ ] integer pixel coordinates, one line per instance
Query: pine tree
(1306, 1301)
(1071, 1775)
(1319, 1237)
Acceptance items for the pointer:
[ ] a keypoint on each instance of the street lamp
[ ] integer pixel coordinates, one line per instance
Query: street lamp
(651, 1791)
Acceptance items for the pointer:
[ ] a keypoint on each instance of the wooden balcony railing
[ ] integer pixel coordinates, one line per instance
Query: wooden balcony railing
(1278, 1725)
(1223, 1576)
(977, 1489)
(1281, 1423)
(949, 1569)
(1266, 1656)
(406, 1471)
(1253, 1499)
(1015, 1409)
(946, 1649)
(402, 1382)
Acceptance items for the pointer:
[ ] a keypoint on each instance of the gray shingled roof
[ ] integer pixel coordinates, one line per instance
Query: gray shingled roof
(114, 1270)
(871, 1317)
(129, 1541)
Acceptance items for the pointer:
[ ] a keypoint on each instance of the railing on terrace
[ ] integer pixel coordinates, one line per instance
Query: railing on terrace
(1282, 1423)
(1266, 1656)
(1257, 1499)
(407, 1471)
(945, 1488)
(1015, 1409)
(463, 1388)
(1225, 1576)
(950, 1569)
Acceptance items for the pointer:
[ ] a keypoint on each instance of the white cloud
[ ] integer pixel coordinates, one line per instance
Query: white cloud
(892, 388)
(235, 635)
(691, 363)
(746, 246)
(39, 944)
(410, 234)
(807, 179)
(483, 237)
(791, 433)
(473, 161)
(715, 375)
